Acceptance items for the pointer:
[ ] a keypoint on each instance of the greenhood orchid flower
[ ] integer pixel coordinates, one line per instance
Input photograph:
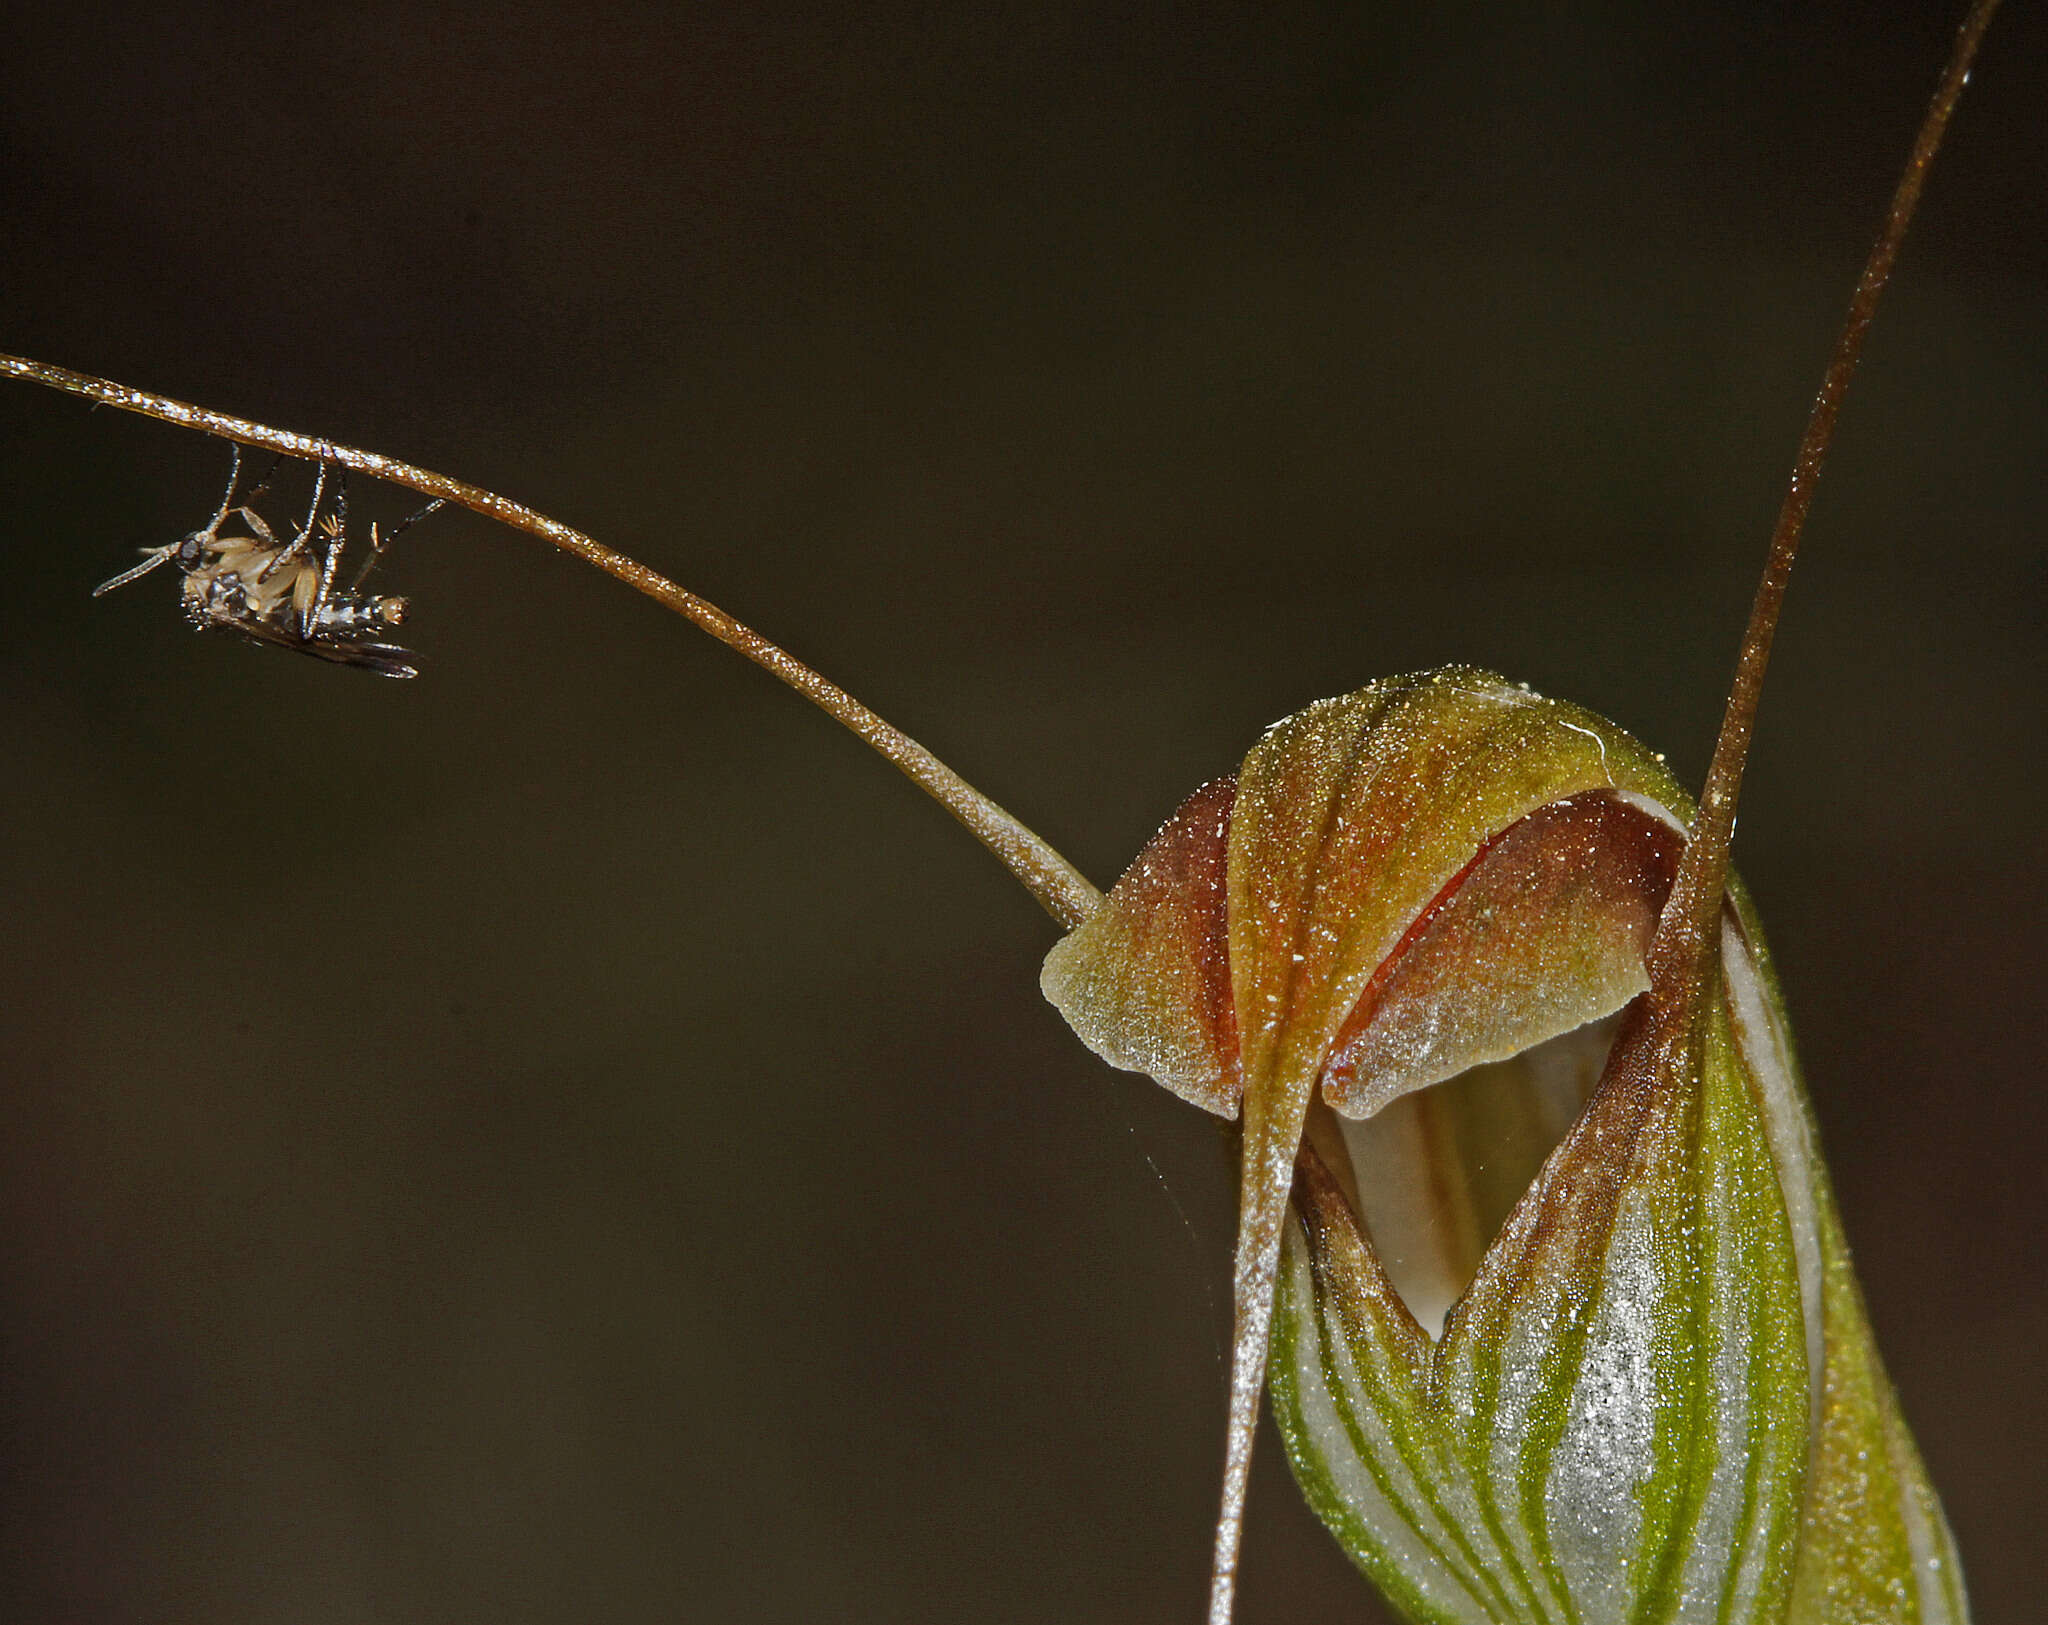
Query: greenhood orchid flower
(1537, 1254)
(1397, 943)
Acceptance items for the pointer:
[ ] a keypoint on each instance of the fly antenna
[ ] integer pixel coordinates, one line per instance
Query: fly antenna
(152, 557)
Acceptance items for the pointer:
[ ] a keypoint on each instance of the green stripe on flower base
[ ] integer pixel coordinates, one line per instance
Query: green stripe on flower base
(1613, 1428)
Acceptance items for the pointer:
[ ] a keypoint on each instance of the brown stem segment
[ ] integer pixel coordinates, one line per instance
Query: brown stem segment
(1685, 936)
(1059, 887)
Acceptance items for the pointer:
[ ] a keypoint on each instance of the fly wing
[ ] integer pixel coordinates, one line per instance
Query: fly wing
(385, 659)
(381, 658)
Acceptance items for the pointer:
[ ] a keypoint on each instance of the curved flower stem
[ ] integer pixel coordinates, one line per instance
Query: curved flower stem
(1060, 888)
(1685, 936)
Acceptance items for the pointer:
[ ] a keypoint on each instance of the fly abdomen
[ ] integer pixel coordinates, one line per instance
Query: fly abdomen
(352, 615)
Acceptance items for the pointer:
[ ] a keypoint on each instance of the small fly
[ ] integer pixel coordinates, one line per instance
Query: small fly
(283, 593)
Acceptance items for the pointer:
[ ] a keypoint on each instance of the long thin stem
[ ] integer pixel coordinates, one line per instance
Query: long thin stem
(1685, 935)
(1063, 890)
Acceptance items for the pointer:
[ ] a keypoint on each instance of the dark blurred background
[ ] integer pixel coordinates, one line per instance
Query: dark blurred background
(575, 1137)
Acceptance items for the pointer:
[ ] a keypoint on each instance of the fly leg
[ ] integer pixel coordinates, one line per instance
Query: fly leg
(330, 556)
(189, 545)
(299, 543)
(379, 543)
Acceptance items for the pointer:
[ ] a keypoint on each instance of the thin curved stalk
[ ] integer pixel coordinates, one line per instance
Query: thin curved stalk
(1686, 936)
(1063, 891)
